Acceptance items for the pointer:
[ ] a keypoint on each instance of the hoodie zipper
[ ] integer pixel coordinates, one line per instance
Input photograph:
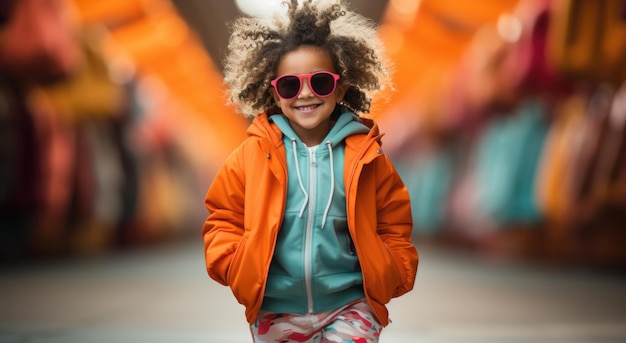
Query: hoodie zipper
(309, 228)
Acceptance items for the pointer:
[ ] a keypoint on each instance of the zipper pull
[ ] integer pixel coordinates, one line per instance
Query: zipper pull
(313, 157)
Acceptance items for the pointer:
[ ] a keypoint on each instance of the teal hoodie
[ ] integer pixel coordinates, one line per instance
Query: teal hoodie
(314, 267)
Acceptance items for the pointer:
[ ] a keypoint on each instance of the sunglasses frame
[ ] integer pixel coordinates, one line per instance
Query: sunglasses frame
(308, 77)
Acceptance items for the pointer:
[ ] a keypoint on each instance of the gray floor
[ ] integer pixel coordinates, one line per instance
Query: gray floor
(163, 295)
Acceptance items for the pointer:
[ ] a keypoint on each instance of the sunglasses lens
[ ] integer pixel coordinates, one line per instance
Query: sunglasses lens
(288, 86)
(322, 83)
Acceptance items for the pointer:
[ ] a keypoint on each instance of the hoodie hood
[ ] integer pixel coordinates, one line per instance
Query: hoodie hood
(346, 124)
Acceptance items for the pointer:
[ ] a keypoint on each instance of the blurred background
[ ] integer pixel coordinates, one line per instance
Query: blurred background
(508, 125)
(507, 122)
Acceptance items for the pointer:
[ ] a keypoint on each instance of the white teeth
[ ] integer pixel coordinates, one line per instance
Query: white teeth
(307, 108)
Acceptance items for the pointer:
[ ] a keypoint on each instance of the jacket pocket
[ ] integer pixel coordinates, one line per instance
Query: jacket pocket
(384, 275)
(394, 266)
(235, 263)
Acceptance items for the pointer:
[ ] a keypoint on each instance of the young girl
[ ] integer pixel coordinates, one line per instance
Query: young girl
(309, 225)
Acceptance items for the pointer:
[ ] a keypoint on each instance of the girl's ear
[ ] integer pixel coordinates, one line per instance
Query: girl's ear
(340, 92)
(275, 96)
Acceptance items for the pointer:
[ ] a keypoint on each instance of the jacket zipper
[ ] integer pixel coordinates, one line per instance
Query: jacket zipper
(309, 229)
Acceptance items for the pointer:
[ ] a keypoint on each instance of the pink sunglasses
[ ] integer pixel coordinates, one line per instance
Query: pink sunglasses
(321, 83)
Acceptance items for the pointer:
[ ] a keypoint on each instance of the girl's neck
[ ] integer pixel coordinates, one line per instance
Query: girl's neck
(314, 136)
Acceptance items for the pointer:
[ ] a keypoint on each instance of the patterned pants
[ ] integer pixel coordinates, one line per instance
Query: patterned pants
(353, 323)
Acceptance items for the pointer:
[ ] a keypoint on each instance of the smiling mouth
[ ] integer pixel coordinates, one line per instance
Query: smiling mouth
(308, 108)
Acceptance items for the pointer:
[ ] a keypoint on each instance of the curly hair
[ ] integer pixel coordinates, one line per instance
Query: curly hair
(256, 46)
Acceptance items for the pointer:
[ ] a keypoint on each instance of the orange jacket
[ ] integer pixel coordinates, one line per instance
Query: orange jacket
(246, 202)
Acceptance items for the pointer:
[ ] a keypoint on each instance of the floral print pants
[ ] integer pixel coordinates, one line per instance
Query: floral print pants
(353, 323)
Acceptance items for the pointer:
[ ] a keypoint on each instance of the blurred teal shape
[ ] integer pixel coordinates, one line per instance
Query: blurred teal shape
(507, 160)
(429, 188)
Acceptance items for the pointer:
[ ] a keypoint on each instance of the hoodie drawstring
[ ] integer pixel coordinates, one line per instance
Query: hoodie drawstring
(306, 195)
(329, 144)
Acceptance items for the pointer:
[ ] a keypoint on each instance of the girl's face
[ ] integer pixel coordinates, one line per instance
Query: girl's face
(308, 113)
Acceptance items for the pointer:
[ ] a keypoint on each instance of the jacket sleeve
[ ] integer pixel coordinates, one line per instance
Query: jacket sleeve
(395, 223)
(223, 229)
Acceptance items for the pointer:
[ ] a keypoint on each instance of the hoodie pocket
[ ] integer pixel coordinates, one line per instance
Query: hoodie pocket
(350, 244)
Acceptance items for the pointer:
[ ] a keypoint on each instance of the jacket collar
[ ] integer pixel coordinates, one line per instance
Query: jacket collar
(261, 127)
